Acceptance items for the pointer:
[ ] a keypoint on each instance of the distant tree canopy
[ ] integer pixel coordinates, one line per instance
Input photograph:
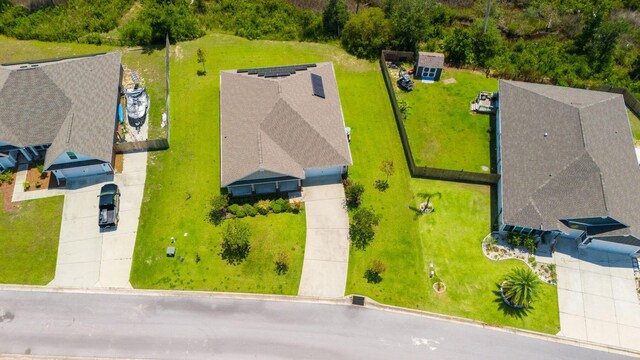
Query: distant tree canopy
(335, 17)
(367, 33)
(409, 22)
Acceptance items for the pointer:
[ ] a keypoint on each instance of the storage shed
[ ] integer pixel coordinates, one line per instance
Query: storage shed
(429, 66)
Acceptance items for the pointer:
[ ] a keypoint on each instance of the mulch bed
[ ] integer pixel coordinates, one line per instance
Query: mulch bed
(48, 182)
(7, 194)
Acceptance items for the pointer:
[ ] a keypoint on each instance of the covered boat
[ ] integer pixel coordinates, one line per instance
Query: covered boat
(137, 105)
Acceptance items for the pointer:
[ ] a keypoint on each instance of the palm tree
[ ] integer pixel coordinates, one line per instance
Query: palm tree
(521, 287)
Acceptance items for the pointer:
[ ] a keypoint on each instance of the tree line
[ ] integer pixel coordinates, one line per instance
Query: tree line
(567, 42)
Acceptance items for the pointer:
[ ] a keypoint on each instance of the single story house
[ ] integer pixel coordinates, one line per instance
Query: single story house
(62, 111)
(568, 166)
(280, 126)
(429, 66)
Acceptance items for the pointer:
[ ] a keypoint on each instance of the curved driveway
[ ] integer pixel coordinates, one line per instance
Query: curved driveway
(326, 253)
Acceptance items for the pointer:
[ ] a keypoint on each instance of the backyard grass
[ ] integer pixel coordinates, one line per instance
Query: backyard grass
(29, 242)
(442, 132)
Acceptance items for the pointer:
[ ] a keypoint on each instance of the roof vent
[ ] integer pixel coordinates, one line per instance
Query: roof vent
(318, 87)
(546, 134)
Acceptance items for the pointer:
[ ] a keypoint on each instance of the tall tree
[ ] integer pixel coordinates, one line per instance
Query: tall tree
(367, 33)
(334, 17)
(409, 22)
(457, 46)
(486, 43)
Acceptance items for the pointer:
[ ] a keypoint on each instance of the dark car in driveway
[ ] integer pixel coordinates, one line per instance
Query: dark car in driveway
(108, 206)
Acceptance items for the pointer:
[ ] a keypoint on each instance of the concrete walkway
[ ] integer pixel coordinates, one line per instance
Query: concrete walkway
(597, 297)
(326, 254)
(88, 257)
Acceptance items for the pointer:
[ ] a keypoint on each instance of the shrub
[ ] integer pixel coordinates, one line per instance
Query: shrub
(250, 210)
(284, 204)
(38, 184)
(65, 22)
(521, 287)
(6, 177)
(381, 185)
(26, 185)
(297, 206)
(233, 209)
(135, 32)
(276, 208)
(282, 263)
(353, 193)
(361, 229)
(241, 213)
(374, 271)
(235, 242)
(218, 209)
(263, 207)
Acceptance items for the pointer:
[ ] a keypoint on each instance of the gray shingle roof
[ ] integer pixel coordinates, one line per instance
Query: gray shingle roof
(584, 166)
(70, 104)
(276, 126)
(430, 59)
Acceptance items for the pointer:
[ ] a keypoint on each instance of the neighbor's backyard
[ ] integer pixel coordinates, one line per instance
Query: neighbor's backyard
(442, 131)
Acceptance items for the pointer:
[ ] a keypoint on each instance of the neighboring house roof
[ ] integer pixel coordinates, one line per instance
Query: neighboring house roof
(68, 103)
(430, 59)
(276, 126)
(566, 153)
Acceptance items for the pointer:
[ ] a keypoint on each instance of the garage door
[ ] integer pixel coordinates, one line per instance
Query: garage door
(265, 188)
(288, 185)
(337, 170)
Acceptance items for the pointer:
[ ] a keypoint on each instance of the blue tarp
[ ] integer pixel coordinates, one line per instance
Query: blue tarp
(120, 114)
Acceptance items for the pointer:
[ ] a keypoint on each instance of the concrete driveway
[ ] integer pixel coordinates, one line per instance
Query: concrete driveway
(326, 254)
(88, 257)
(597, 297)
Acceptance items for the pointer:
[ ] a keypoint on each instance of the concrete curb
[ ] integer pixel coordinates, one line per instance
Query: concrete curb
(343, 301)
(372, 304)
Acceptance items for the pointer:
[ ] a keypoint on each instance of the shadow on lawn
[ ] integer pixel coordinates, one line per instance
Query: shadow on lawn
(508, 310)
(422, 196)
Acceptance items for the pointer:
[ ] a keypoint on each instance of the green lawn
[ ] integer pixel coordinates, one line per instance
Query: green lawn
(30, 241)
(442, 132)
(186, 177)
(450, 237)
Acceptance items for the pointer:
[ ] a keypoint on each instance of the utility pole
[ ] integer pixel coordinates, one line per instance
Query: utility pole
(486, 16)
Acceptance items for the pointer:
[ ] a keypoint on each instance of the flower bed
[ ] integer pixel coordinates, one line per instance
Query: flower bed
(499, 249)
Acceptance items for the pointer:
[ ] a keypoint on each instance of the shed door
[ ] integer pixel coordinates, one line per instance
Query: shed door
(429, 73)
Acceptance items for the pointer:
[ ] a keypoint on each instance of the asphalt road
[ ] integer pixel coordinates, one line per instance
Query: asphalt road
(192, 327)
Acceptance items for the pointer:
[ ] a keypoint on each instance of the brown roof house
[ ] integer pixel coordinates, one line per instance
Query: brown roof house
(62, 111)
(429, 66)
(280, 126)
(568, 166)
